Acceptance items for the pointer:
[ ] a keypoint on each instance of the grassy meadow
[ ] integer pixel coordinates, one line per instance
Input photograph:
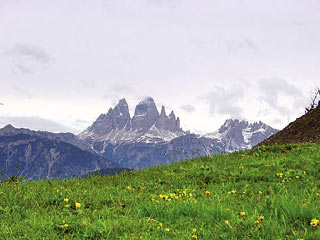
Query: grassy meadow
(270, 192)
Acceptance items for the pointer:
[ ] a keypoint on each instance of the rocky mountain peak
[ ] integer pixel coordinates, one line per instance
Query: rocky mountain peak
(123, 102)
(116, 118)
(146, 124)
(163, 111)
(146, 114)
(171, 115)
(8, 127)
(241, 134)
(147, 101)
(233, 123)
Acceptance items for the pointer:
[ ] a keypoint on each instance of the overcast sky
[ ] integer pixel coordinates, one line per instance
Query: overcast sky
(63, 62)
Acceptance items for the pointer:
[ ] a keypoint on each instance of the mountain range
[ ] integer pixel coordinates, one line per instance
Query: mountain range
(150, 138)
(117, 141)
(37, 154)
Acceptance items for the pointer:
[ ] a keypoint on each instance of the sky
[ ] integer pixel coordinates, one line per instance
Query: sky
(64, 62)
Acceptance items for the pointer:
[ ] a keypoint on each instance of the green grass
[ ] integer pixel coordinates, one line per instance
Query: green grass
(196, 199)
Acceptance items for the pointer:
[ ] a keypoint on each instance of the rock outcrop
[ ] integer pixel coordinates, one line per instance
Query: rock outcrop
(146, 125)
(116, 118)
(146, 114)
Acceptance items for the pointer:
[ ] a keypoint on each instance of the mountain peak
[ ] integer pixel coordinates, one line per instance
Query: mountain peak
(116, 118)
(146, 114)
(163, 111)
(117, 125)
(147, 100)
(122, 102)
(9, 126)
(242, 134)
(8, 129)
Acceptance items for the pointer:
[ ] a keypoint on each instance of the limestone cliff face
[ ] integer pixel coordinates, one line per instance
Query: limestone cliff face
(116, 118)
(146, 114)
(146, 125)
(170, 122)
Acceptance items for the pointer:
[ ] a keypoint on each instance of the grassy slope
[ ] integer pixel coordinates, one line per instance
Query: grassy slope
(207, 198)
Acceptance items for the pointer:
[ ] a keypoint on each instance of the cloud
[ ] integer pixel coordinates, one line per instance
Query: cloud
(245, 44)
(27, 58)
(281, 97)
(118, 91)
(224, 101)
(188, 108)
(36, 123)
(273, 88)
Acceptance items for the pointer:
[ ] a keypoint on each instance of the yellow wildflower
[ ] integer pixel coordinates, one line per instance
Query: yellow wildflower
(297, 177)
(160, 224)
(207, 193)
(167, 229)
(241, 168)
(194, 230)
(314, 222)
(67, 205)
(261, 218)
(260, 192)
(280, 175)
(66, 200)
(242, 214)
(164, 197)
(233, 191)
(78, 205)
(227, 222)
(194, 236)
(129, 188)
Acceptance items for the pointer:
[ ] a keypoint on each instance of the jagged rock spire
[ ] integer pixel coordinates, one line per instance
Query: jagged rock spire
(145, 117)
(116, 118)
(146, 114)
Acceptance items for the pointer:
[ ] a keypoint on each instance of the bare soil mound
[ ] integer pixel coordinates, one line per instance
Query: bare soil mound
(303, 129)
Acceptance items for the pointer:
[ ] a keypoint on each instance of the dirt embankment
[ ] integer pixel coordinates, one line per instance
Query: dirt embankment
(304, 129)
